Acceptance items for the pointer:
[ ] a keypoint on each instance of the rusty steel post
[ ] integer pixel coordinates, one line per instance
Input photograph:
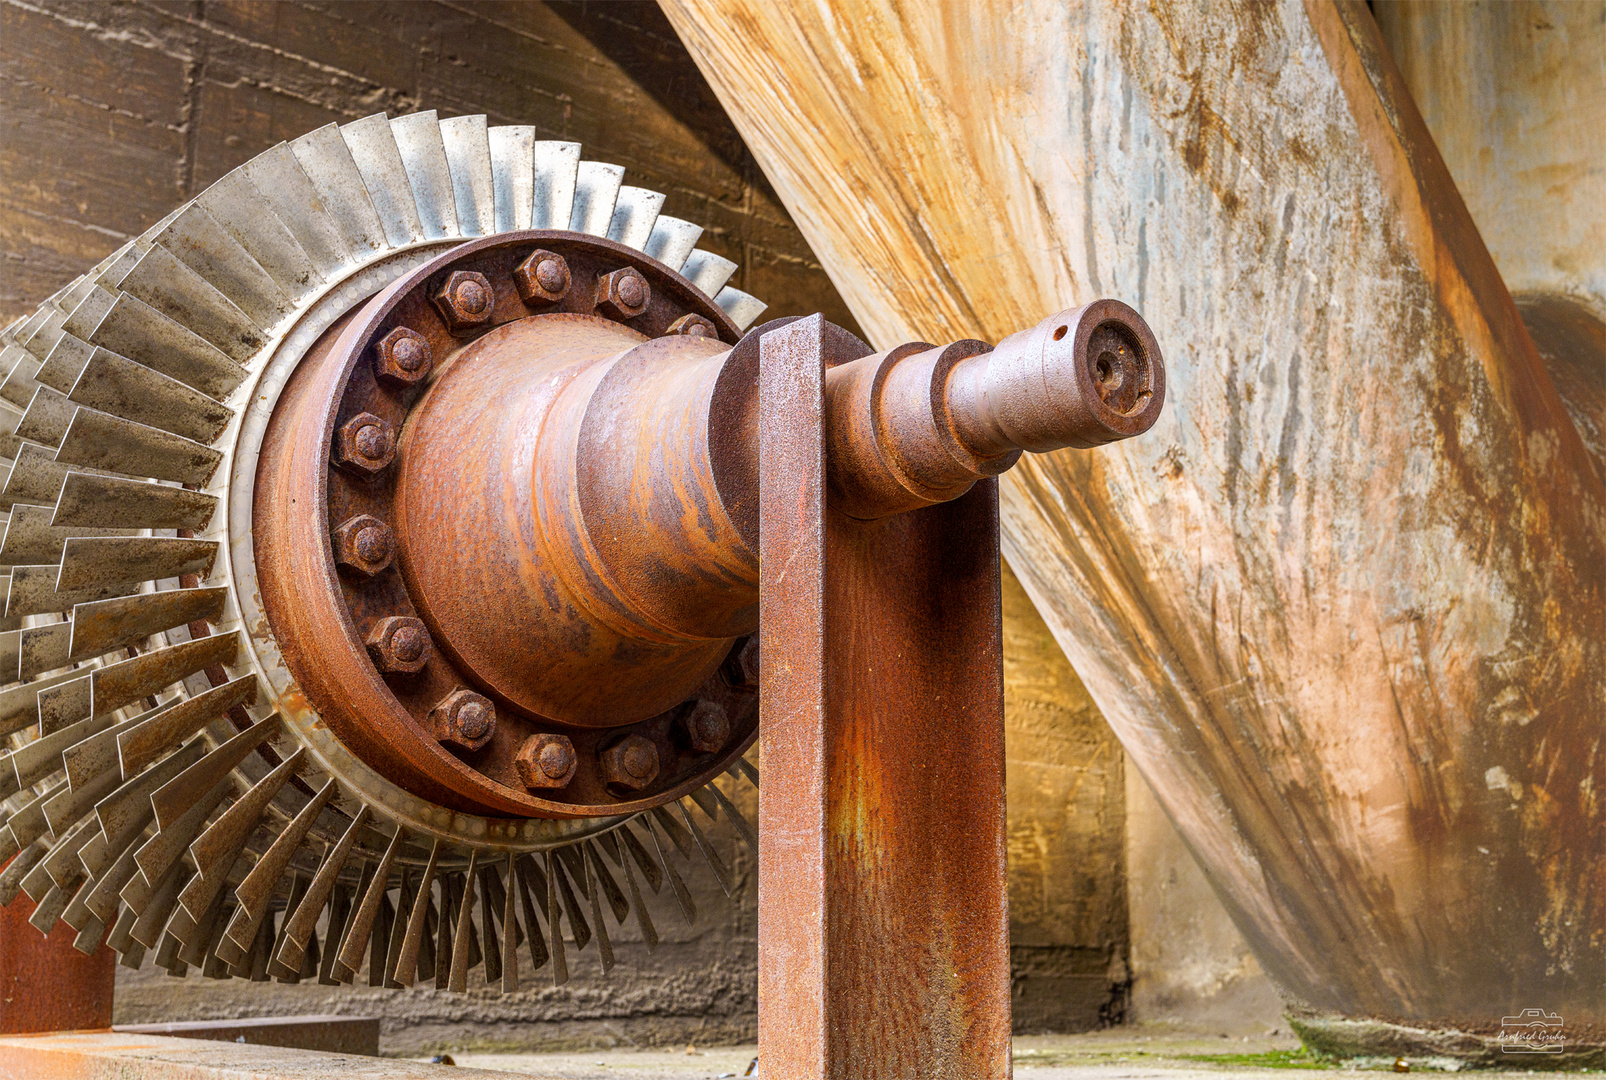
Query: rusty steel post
(883, 915)
(883, 919)
(45, 983)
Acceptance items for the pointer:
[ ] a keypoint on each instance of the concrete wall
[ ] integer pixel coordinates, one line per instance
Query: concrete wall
(1111, 919)
(1191, 968)
(1067, 810)
(1513, 92)
(114, 113)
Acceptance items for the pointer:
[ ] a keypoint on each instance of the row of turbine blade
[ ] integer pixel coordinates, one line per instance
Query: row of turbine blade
(129, 739)
(403, 912)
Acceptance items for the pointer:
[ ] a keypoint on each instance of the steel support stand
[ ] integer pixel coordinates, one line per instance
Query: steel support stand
(883, 919)
(45, 983)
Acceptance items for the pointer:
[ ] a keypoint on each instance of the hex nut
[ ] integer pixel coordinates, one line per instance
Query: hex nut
(708, 727)
(693, 326)
(465, 300)
(623, 294)
(365, 445)
(464, 719)
(630, 763)
(740, 667)
(542, 278)
(402, 358)
(546, 761)
(364, 544)
(399, 645)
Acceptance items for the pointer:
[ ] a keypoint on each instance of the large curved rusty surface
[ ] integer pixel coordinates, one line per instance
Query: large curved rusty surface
(1343, 604)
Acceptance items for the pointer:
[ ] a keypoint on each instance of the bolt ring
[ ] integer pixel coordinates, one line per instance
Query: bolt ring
(370, 448)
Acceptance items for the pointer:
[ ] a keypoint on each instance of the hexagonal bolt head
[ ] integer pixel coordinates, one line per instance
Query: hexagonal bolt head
(365, 445)
(693, 326)
(542, 278)
(631, 763)
(708, 727)
(464, 718)
(402, 357)
(546, 761)
(465, 300)
(623, 294)
(399, 645)
(740, 667)
(364, 544)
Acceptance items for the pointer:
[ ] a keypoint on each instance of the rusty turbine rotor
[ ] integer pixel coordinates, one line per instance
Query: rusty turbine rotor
(400, 496)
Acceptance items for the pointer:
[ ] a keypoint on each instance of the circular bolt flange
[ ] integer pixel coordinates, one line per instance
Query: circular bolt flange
(631, 763)
(402, 358)
(365, 544)
(365, 445)
(464, 718)
(708, 727)
(546, 761)
(542, 278)
(399, 645)
(465, 300)
(623, 294)
(693, 326)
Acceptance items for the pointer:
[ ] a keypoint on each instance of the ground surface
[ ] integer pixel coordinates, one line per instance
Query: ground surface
(1122, 1054)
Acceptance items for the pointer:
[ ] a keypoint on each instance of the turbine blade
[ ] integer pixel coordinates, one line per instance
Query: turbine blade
(743, 826)
(291, 952)
(688, 907)
(256, 891)
(715, 863)
(560, 962)
(458, 981)
(468, 156)
(103, 625)
(143, 743)
(672, 241)
(362, 925)
(555, 168)
(511, 170)
(407, 962)
(423, 156)
(90, 499)
(596, 189)
(378, 160)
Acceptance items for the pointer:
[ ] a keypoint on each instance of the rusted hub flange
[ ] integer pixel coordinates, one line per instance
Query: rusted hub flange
(395, 507)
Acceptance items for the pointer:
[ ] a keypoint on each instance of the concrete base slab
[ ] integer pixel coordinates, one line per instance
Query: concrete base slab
(1513, 1047)
(114, 1055)
(327, 1032)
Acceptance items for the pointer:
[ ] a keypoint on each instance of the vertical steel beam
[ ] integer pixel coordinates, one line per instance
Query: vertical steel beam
(883, 922)
(45, 983)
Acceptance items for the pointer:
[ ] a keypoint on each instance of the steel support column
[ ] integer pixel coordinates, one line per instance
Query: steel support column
(45, 983)
(883, 921)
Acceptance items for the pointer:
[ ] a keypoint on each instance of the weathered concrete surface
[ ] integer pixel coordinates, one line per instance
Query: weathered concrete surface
(1127, 1053)
(1190, 965)
(1359, 1040)
(1513, 93)
(1342, 605)
(1067, 868)
(113, 114)
(332, 1034)
(120, 1056)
